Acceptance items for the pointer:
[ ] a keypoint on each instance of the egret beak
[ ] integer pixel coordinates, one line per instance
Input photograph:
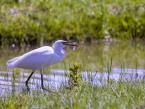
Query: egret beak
(70, 43)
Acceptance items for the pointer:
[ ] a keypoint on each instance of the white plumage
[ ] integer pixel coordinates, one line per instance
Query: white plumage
(37, 59)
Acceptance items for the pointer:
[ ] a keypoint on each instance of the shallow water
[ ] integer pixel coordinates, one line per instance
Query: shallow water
(55, 81)
(124, 60)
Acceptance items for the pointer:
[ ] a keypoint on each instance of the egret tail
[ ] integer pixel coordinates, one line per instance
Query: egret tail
(12, 63)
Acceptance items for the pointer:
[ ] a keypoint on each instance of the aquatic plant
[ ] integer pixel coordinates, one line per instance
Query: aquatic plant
(74, 75)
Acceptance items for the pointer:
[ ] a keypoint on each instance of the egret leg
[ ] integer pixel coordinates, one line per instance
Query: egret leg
(28, 80)
(42, 82)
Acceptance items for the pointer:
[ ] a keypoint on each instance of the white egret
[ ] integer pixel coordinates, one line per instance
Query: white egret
(40, 58)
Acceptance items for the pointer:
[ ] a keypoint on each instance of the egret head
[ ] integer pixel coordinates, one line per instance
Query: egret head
(62, 43)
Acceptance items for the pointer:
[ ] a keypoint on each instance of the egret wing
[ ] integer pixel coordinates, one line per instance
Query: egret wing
(34, 59)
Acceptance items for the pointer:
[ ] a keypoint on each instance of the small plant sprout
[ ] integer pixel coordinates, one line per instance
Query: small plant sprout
(74, 75)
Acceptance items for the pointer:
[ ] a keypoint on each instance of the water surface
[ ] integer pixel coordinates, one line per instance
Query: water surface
(99, 61)
(55, 81)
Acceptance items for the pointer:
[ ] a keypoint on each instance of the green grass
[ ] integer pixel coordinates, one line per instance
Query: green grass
(121, 95)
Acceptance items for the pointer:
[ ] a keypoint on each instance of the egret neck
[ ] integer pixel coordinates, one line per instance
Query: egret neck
(58, 49)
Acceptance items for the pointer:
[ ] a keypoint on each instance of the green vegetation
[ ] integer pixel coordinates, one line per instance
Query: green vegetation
(121, 95)
(74, 76)
(32, 21)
